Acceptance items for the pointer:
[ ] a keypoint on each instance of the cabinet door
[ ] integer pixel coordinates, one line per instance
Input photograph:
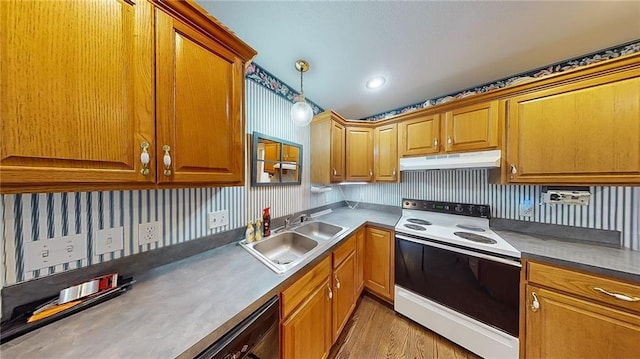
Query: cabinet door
(307, 332)
(361, 236)
(567, 327)
(420, 136)
(344, 290)
(472, 127)
(338, 138)
(76, 87)
(586, 132)
(359, 154)
(378, 262)
(200, 89)
(385, 153)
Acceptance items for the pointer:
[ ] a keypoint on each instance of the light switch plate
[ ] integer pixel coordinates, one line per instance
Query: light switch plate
(50, 252)
(108, 240)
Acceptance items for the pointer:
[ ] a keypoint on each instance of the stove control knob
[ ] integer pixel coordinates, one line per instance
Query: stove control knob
(458, 208)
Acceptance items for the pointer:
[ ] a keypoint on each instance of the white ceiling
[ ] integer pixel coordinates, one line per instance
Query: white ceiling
(426, 49)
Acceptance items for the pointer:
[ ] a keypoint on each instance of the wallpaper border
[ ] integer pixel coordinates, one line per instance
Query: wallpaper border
(588, 59)
(263, 77)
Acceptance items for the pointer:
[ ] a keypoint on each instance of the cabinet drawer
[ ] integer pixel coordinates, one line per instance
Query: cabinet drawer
(343, 251)
(586, 285)
(302, 288)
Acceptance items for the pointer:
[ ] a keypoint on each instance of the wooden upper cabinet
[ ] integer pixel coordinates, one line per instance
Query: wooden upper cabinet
(359, 154)
(385, 153)
(472, 128)
(420, 135)
(200, 89)
(583, 132)
(327, 148)
(77, 91)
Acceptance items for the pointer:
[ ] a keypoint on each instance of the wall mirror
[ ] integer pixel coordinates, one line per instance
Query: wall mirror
(275, 162)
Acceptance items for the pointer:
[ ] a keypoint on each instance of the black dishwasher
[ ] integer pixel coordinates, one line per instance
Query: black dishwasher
(256, 337)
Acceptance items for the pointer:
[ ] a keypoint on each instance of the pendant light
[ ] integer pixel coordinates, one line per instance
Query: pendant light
(301, 112)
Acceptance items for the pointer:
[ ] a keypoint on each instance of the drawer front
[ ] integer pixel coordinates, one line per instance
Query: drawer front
(604, 290)
(302, 288)
(343, 251)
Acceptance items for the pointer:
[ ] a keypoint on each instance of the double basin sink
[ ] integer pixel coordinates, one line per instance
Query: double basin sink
(284, 250)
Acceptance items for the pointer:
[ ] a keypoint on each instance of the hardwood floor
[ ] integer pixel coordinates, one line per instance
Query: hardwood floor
(375, 331)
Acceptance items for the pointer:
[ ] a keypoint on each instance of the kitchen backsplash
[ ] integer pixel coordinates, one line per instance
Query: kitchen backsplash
(613, 208)
(182, 212)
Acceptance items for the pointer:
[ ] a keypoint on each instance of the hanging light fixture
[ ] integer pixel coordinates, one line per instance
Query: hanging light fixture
(301, 112)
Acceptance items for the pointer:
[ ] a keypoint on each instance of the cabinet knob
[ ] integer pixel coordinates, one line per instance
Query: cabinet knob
(144, 158)
(337, 281)
(335, 173)
(330, 292)
(167, 160)
(435, 143)
(535, 304)
(394, 172)
(514, 170)
(370, 173)
(449, 141)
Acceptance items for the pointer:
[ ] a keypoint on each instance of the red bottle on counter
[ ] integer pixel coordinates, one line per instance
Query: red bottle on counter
(266, 222)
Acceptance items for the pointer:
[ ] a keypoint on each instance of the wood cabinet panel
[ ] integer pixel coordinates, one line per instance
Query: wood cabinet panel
(359, 154)
(420, 135)
(385, 153)
(472, 127)
(338, 139)
(568, 327)
(584, 132)
(200, 99)
(344, 293)
(344, 250)
(77, 91)
(301, 289)
(378, 262)
(307, 332)
(327, 149)
(361, 237)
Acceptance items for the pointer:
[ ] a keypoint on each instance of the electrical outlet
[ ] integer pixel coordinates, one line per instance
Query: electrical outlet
(148, 233)
(108, 240)
(526, 208)
(218, 219)
(50, 252)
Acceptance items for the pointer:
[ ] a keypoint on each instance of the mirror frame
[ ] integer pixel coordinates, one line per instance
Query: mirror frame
(256, 136)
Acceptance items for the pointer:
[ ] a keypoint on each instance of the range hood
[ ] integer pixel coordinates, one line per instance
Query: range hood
(481, 159)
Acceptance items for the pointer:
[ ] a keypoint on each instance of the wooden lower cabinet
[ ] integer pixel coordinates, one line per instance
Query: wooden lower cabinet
(378, 262)
(344, 288)
(307, 332)
(570, 318)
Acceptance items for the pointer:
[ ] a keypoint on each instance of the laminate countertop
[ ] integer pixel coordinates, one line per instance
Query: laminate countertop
(179, 309)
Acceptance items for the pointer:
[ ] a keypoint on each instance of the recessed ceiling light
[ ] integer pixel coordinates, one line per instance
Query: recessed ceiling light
(375, 82)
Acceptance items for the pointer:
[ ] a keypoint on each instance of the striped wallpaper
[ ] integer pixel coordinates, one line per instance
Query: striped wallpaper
(182, 212)
(612, 208)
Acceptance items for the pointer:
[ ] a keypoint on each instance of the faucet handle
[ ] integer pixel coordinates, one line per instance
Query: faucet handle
(304, 217)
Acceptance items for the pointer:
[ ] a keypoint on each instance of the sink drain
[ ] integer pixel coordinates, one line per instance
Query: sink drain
(283, 261)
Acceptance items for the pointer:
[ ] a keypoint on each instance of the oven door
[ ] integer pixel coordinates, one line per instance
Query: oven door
(479, 285)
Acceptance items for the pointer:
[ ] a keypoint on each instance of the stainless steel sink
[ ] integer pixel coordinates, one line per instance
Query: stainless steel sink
(320, 230)
(282, 251)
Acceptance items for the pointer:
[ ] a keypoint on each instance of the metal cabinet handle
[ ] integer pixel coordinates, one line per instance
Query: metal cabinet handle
(514, 170)
(335, 173)
(370, 173)
(535, 304)
(394, 172)
(626, 298)
(337, 281)
(449, 141)
(435, 143)
(167, 160)
(330, 292)
(144, 158)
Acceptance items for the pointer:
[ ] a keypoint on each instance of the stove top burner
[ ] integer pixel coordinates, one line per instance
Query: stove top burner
(470, 228)
(475, 237)
(416, 227)
(419, 221)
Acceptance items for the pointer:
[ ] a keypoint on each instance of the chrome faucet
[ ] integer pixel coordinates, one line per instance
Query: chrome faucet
(287, 222)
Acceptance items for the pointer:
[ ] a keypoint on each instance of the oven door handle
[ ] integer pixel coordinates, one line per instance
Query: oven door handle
(461, 251)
